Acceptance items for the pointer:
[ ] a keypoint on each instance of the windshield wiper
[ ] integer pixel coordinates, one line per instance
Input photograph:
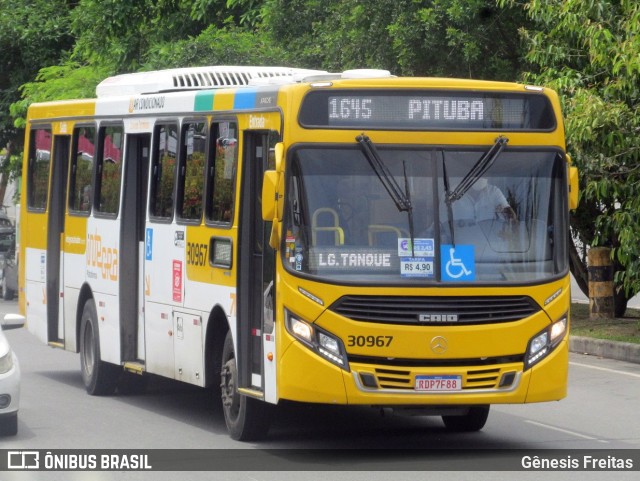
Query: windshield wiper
(477, 171)
(402, 199)
(447, 201)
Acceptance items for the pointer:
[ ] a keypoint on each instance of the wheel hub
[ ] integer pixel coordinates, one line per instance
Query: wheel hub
(228, 384)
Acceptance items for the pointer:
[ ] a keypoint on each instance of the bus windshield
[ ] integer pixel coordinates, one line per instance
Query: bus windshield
(343, 226)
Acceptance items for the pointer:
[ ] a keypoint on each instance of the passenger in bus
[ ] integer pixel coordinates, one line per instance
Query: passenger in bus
(481, 202)
(85, 203)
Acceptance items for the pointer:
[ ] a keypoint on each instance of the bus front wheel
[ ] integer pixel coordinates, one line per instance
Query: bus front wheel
(99, 377)
(474, 420)
(246, 418)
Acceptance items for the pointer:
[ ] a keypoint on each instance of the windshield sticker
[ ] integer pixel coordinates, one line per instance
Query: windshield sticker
(457, 262)
(148, 245)
(421, 248)
(298, 259)
(416, 267)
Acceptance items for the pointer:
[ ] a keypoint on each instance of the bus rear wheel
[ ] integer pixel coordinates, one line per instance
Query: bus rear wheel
(247, 419)
(474, 420)
(99, 377)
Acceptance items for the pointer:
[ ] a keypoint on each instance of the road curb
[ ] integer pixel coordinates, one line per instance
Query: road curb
(620, 351)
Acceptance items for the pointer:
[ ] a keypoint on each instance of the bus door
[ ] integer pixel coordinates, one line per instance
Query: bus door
(132, 245)
(55, 229)
(256, 271)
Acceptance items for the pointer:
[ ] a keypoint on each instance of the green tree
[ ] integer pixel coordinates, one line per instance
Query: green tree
(118, 34)
(453, 38)
(34, 34)
(215, 46)
(588, 52)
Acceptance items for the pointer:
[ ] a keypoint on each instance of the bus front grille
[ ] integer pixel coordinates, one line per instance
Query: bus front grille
(381, 379)
(435, 310)
(471, 379)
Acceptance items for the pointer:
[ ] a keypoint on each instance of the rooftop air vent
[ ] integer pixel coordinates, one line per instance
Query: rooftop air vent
(198, 78)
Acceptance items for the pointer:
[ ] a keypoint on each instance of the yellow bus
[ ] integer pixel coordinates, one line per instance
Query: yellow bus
(347, 238)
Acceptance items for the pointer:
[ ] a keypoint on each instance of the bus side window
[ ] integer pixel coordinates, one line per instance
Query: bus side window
(222, 172)
(191, 175)
(109, 170)
(81, 169)
(163, 171)
(38, 173)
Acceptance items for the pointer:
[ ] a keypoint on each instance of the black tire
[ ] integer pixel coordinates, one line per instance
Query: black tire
(247, 418)
(474, 420)
(9, 424)
(99, 377)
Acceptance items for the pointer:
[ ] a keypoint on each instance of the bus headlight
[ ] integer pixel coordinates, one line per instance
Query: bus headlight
(543, 343)
(318, 340)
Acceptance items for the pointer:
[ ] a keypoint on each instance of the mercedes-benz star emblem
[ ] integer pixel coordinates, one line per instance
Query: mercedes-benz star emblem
(439, 345)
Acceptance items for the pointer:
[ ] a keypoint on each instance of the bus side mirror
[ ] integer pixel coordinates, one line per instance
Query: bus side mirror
(272, 206)
(270, 195)
(279, 155)
(573, 188)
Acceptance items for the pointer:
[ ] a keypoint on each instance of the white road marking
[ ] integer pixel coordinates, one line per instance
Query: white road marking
(566, 431)
(632, 374)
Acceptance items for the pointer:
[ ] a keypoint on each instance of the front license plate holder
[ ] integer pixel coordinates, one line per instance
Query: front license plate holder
(447, 383)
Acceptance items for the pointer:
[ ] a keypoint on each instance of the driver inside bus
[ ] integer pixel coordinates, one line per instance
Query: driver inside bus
(481, 202)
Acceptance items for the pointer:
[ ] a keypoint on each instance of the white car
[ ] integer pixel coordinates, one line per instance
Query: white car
(9, 378)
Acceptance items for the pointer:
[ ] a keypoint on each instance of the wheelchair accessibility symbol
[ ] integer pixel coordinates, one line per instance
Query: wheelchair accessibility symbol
(457, 263)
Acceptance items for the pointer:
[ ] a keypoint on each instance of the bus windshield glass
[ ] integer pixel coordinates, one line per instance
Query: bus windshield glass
(341, 224)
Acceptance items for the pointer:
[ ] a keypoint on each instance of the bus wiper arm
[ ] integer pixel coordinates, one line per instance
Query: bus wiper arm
(402, 201)
(477, 171)
(400, 198)
(447, 201)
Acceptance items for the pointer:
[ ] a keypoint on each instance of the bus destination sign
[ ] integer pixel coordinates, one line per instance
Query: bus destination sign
(427, 110)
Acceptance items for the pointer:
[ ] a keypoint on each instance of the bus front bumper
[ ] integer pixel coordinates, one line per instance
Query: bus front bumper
(309, 378)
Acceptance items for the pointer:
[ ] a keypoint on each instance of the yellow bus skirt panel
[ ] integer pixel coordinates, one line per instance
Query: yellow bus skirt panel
(305, 376)
(549, 377)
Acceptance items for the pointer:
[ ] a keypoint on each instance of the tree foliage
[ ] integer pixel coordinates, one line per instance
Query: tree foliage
(214, 46)
(118, 34)
(588, 51)
(453, 38)
(34, 35)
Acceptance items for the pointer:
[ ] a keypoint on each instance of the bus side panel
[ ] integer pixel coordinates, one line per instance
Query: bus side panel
(103, 273)
(71, 299)
(208, 285)
(164, 265)
(75, 271)
(108, 309)
(188, 346)
(33, 230)
(164, 293)
(35, 292)
(159, 338)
